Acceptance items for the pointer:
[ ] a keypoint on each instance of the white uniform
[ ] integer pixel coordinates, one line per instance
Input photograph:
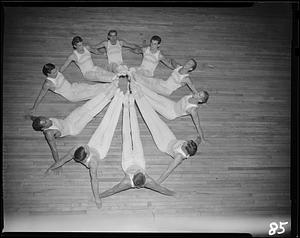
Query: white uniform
(132, 154)
(175, 147)
(149, 63)
(164, 87)
(114, 53)
(167, 107)
(102, 137)
(89, 70)
(60, 125)
(161, 133)
(75, 122)
(76, 91)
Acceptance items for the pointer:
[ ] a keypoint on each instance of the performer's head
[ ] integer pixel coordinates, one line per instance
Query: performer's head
(190, 148)
(155, 42)
(139, 180)
(202, 96)
(190, 65)
(112, 36)
(49, 70)
(81, 153)
(77, 43)
(40, 123)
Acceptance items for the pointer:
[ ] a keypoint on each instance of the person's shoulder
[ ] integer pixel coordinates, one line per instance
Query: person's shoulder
(73, 55)
(161, 54)
(87, 46)
(48, 83)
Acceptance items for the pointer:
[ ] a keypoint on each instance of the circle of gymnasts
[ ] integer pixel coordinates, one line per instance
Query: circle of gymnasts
(145, 91)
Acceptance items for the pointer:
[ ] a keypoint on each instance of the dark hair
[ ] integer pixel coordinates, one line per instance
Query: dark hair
(156, 38)
(36, 123)
(76, 40)
(47, 69)
(194, 67)
(206, 96)
(139, 179)
(112, 31)
(191, 147)
(79, 154)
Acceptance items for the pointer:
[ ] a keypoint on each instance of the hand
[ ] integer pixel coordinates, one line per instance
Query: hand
(144, 43)
(30, 111)
(206, 142)
(57, 171)
(47, 172)
(98, 203)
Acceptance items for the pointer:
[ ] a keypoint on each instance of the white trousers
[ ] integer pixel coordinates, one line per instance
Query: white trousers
(102, 137)
(161, 104)
(155, 84)
(81, 116)
(161, 133)
(132, 154)
(99, 74)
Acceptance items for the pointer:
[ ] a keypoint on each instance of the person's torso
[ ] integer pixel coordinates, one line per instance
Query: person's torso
(84, 60)
(150, 60)
(114, 53)
(62, 86)
(176, 79)
(93, 156)
(131, 170)
(60, 125)
(183, 105)
(175, 148)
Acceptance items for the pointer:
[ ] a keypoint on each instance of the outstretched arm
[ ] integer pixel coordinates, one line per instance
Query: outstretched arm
(94, 50)
(99, 45)
(151, 184)
(191, 85)
(46, 86)
(170, 63)
(63, 160)
(50, 137)
(137, 50)
(94, 182)
(177, 161)
(129, 45)
(196, 119)
(67, 62)
(121, 186)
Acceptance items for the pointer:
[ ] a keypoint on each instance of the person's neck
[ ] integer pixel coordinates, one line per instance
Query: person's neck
(193, 100)
(183, 71)
(153, 51)
(80, 52)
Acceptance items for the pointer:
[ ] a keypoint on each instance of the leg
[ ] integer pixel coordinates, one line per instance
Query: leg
(102, 137)
(159, 103)
(155, 84)
(160, 132)
(99, 74)
(138, 151)
(82, 115)
(127, 151)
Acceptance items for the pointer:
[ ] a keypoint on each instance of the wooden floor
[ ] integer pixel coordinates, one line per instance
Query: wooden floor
(243, 172)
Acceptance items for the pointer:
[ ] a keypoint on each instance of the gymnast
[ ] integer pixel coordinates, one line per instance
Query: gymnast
(178, 78)
(73, 92)
(187, 105)
(83, 59)
(75, 122)
(163, 137)
(152, 56)
(113, 46)
(133, 162)
(90, 155)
